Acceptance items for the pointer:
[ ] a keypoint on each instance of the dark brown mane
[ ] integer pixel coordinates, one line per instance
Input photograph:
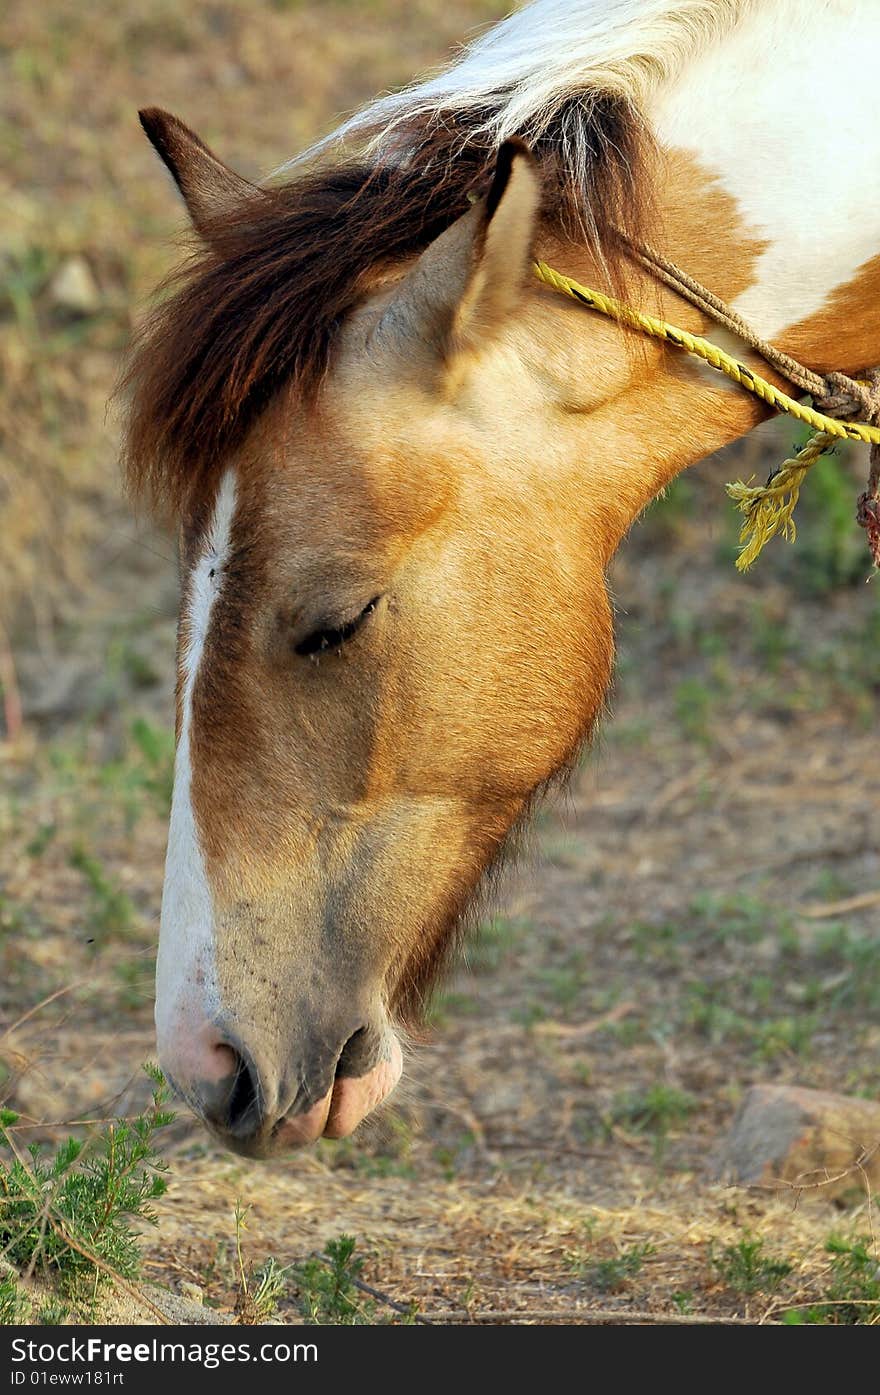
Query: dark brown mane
(257, 306)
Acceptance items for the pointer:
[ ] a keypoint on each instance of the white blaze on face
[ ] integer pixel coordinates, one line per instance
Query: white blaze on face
(186, 988)
(781, 110)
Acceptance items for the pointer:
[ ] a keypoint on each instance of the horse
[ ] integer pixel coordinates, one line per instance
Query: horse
(399, 466)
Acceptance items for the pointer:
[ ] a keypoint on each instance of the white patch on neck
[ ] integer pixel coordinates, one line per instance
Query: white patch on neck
(782, 110)
(186, 986)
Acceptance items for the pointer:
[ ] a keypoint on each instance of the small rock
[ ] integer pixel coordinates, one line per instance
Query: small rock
(123, 1307)
(73, 289)
(787, 1134)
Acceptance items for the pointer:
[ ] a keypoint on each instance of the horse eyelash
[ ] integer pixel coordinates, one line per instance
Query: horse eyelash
(321, 641)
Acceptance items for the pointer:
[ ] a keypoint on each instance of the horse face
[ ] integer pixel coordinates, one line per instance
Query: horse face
(391, 635)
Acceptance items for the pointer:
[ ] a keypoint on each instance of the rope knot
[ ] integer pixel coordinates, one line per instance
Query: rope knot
(769, 508)
(851, 397)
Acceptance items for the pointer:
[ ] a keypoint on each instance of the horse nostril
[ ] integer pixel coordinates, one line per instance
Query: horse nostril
(237, 1105)
(353, 1053)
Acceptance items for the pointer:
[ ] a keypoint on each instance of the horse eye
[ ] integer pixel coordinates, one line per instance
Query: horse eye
(333, 637)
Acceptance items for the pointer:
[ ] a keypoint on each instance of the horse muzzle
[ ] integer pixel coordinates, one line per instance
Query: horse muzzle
(325, 1087)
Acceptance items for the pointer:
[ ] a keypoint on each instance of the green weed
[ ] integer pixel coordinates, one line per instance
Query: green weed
(612, 1275)
(14, 1305)
(745, 1268)
(18, 1306)
(71, 1214)
(853, 1292)
(657, 1109)
(327, 1285)
(706, 1012)
(125, 660)
(709, 1012)
(784, 1036)
(529, 1014)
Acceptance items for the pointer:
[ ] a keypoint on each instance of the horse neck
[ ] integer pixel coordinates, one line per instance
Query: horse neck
(745, 204)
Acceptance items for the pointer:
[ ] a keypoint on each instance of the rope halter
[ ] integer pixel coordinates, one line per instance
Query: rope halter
(837, 398)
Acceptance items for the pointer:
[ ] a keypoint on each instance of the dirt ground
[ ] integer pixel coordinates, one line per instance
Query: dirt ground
(679, 926)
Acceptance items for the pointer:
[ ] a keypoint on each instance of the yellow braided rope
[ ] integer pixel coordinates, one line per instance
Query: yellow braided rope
(768, 508)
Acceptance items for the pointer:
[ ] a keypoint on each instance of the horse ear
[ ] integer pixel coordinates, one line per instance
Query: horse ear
(467, 283)
(209, 188)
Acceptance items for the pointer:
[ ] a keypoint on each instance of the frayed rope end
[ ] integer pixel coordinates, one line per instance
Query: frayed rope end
(769, 508)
